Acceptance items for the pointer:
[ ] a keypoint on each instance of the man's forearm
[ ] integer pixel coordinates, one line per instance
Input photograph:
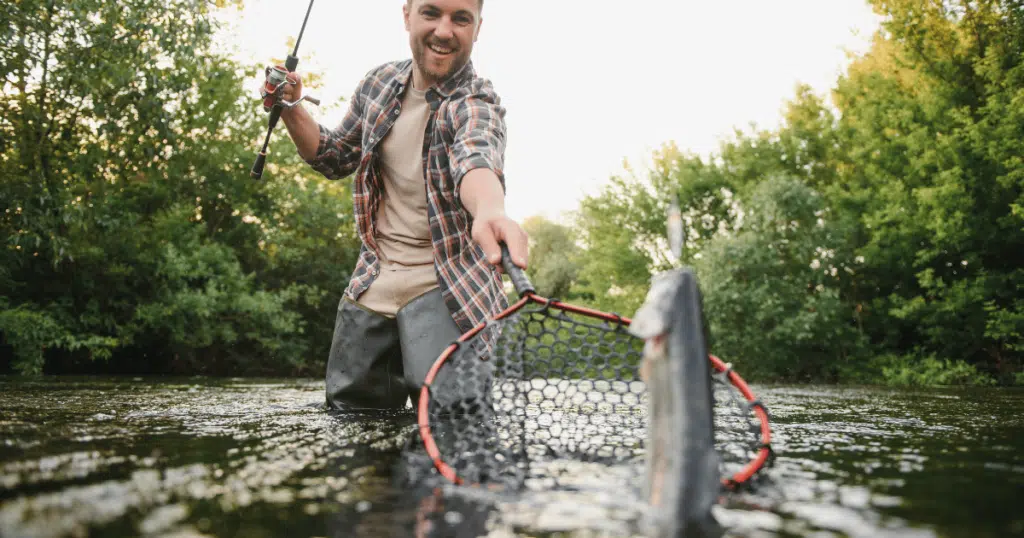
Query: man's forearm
(304, 130)
(481, 193)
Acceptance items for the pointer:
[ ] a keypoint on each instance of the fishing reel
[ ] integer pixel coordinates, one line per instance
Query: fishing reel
(276, 80)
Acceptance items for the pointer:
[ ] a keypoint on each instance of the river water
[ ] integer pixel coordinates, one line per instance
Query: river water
(260, 457)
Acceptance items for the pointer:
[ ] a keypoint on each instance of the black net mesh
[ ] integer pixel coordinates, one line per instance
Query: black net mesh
(543, 387)
(738, 437)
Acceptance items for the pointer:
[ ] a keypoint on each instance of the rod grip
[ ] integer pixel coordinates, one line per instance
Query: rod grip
(257, 167)
(261, 158)
(519, 279)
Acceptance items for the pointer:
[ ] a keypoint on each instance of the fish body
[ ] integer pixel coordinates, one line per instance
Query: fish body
(682, 476)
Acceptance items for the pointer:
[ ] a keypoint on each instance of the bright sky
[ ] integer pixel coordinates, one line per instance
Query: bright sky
(586, 87)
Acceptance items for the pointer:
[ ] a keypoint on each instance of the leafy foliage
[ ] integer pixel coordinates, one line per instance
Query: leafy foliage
(131, 227)
(553, 267)
(914, 371)
(877, 235)
(772, 288)
(915, 174)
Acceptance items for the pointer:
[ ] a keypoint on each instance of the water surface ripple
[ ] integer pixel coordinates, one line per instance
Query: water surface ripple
(244, 457)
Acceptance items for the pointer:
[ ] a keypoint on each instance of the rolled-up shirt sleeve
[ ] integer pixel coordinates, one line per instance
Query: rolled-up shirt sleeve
(479, 137)
(341, 148)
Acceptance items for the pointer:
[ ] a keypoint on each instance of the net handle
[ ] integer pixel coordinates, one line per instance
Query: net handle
(519, 279)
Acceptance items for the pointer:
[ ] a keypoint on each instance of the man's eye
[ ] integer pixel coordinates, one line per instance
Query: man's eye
(463, 20)
(429, 13)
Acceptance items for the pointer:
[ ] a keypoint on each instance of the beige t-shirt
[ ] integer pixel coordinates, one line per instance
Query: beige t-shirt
(403, 230)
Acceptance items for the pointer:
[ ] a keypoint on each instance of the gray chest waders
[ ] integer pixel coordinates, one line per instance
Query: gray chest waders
(376, 362)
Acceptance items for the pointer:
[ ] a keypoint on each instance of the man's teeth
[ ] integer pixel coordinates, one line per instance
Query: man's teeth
(440, 50)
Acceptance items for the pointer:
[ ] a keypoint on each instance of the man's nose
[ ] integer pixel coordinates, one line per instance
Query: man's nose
(444, 29)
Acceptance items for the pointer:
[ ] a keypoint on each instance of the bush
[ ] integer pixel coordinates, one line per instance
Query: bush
(913, 371)
(771, 290)
(31, 333)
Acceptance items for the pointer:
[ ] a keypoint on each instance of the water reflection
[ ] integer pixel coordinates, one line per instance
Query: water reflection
(123, 457)
(366, 455)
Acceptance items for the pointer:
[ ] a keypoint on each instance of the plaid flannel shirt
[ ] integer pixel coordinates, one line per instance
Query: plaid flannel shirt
(466, 130)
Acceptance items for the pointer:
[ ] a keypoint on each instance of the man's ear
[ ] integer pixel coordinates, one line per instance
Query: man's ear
(476, 34)
(405, 14)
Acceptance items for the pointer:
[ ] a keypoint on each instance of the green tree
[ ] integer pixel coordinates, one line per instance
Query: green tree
(623, 227)
(131, 229)
(931, 124)
(554, 257)
(618, 246)
(771, 288)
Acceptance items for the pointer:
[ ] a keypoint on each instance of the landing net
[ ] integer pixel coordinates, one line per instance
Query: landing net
(547, 383)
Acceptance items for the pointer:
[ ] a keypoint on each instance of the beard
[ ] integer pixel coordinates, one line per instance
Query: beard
(433, 70)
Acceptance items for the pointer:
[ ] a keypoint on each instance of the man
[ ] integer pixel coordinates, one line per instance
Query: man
(426, 140)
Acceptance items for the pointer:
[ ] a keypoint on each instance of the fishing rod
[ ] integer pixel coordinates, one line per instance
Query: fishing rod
(276, 79)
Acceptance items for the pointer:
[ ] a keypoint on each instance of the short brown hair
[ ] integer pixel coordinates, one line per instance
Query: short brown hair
(409, 2)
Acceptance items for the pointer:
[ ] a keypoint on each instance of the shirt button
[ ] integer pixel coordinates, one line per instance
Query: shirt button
(397, 111)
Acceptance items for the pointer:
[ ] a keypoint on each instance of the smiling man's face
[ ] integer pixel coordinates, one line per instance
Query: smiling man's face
(441, 35)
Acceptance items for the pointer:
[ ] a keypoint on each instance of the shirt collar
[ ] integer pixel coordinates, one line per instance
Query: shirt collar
(446, 87)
